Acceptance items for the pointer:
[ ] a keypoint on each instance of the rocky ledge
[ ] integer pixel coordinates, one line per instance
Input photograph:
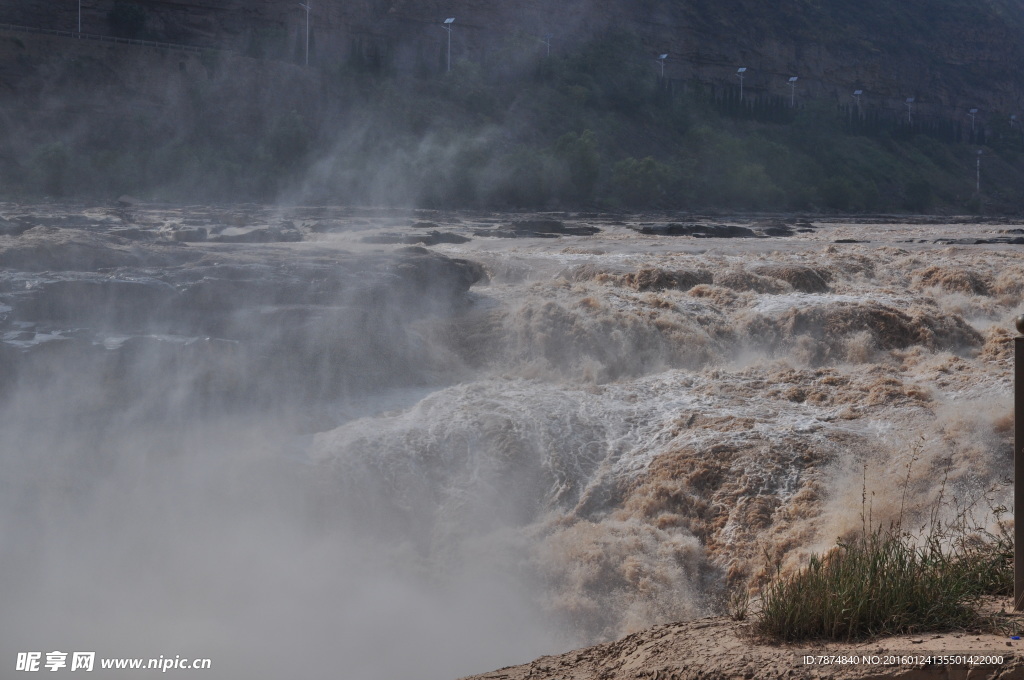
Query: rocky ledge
(235, 324)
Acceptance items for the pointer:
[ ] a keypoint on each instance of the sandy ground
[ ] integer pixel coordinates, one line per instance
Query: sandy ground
(719, 648)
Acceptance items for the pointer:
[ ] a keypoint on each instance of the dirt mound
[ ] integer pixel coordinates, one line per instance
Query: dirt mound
(721, 649)
(801, 278)
(953, 279)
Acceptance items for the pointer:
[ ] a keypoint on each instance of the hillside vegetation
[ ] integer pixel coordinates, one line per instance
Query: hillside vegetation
(591, 127)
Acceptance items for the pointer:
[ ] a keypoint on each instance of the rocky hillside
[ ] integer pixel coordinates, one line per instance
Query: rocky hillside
(950, 55)
(377, 118)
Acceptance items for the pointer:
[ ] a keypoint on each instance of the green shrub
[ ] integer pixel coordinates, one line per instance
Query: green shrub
(878, 584)
(641, 182)
(583, 164)
(608, 70)
(887, 582)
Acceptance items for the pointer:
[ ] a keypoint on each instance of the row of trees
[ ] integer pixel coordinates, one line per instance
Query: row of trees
(587, 128)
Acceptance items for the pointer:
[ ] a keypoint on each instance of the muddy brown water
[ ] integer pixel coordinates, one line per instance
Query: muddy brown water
(245, 432)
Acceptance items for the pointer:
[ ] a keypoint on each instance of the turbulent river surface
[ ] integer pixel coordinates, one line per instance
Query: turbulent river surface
(377, 444)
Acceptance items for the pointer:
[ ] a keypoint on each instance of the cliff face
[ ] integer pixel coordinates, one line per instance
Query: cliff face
(949, 54)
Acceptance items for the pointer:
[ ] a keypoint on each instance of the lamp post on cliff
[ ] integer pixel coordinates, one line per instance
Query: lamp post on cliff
(856, 95)
(661, 60)
(1018, 464)
(547, 41)
(972, 113)
(910, 109)
(448, 27)
(740, 72)
(977, 174)
(307, 8)
(792, 91)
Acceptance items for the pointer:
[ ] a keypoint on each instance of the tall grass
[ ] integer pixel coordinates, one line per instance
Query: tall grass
(889, 581)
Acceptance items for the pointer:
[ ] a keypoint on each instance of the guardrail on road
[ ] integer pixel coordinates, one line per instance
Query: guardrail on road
(109, 38)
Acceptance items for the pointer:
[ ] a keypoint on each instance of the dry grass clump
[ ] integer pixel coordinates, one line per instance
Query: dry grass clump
(886, 581)
(878, 584)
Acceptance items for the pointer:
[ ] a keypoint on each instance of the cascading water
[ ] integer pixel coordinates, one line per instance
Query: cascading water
(334, 456)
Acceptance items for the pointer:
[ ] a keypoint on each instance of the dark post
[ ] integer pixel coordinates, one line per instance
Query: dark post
(1018, 466)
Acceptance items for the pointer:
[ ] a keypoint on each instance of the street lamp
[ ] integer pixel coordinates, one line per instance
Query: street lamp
(307, 8)
(856, 96)
(661, 60)
(972, 113)
(448, 27)
(910, 109)
(547, 41)
(977, 174)
(739, 74)
(792, 91)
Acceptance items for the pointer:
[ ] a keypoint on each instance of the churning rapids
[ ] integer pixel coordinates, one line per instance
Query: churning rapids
(315, 442)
